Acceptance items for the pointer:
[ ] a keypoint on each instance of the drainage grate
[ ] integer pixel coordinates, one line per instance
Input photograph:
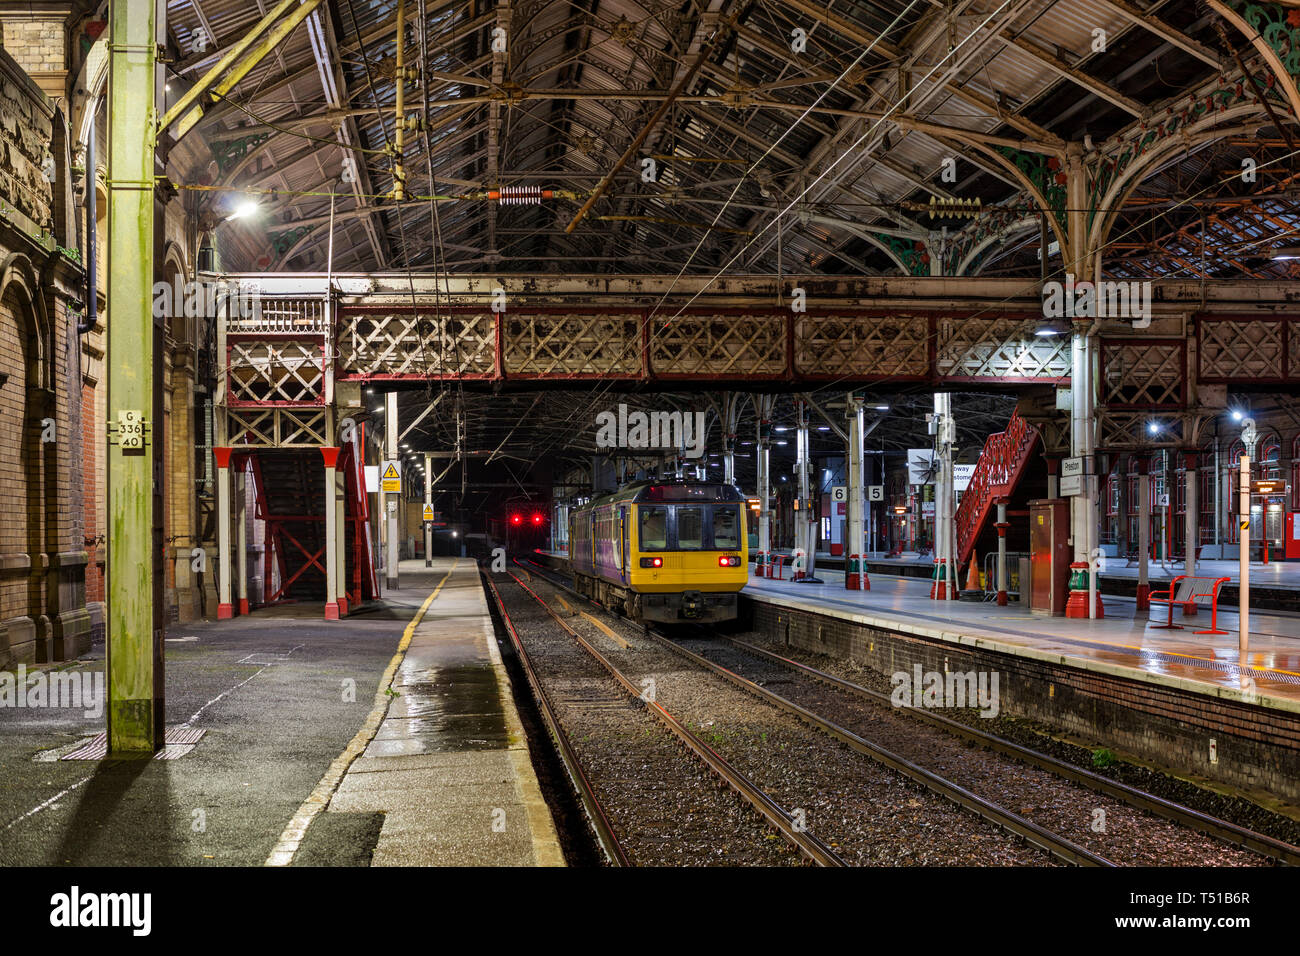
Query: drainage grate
(178, 742)
(1225, 667)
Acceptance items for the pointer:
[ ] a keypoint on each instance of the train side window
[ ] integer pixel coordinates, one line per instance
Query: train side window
(690, 529)
(654, 528)
(726, 527)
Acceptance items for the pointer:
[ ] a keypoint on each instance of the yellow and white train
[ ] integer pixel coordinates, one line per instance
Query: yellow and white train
(668, 551)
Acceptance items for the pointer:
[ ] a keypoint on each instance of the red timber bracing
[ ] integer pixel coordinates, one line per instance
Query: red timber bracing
(996, 475)
(294, 547)
(363, 582)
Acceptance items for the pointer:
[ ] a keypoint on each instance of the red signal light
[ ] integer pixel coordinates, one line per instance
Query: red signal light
(538, 519)
(516, 519)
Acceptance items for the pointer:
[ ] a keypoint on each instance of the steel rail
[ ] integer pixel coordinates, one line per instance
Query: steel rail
(1216, 827)
(808, 844)
(1223, 830)
(1054, 844)
(595, 811)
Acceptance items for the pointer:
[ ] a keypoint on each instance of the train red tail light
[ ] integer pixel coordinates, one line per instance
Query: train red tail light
(728, 561)
(652, 562)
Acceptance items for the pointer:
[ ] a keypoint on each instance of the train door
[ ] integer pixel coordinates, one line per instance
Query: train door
(624, 552)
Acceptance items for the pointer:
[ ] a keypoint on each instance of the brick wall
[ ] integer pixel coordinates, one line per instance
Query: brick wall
(90, 441)
(35, 41)
(1257, 748)
(14, 454)
(43, 614)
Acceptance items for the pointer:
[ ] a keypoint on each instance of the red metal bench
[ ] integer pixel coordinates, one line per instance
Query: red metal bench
(1185, 590)
(779, 561)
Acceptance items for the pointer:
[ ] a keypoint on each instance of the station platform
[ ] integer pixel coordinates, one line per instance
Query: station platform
(447, 761)
(1274, 586)
(1172, 699)
(388, 738)
(1124, 642)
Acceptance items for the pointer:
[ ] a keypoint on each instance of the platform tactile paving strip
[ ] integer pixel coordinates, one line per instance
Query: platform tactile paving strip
(178, 742)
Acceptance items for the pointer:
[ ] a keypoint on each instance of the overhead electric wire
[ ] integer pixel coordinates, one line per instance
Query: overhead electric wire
(599, 391)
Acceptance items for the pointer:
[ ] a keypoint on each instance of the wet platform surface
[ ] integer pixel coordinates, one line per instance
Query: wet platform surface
(448, 766)
(1123, 643)
(1280, 575)
(279, 696)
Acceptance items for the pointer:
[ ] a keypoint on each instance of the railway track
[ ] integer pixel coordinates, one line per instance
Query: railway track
(1222, 831)
(806, 843)
(881, 811)
(613, 849)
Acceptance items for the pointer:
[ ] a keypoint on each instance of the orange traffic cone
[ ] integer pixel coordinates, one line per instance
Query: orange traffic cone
(973, 576)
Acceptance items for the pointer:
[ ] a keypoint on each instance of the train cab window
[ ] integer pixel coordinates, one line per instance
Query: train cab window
(690, 529)
(654, 528)
(726, 527)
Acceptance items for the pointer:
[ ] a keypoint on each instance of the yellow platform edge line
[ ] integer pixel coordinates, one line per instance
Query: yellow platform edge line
(319, 798)
(541, 825)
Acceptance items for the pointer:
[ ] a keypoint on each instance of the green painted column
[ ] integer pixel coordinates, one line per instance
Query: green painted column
(135, 625)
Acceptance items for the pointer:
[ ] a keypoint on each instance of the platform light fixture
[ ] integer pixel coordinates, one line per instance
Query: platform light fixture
(1237, 414)
(1153, 428)
(881, 408)
(1285, 253)
(1047, 330)
(245, 209)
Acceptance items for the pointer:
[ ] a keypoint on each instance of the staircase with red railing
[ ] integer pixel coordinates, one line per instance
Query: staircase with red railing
(996, 475)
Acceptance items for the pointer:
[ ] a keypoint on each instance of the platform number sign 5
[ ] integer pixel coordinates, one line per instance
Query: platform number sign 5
(876, 493)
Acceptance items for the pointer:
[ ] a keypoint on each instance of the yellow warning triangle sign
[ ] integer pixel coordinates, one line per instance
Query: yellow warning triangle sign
(428, 512)
(390, 472)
